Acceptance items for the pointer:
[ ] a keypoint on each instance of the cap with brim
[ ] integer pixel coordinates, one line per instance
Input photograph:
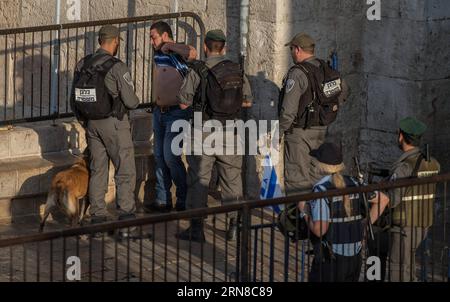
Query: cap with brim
(216, 35)
(328, 154)
(302, 40)
(413, 127)
(109, 32)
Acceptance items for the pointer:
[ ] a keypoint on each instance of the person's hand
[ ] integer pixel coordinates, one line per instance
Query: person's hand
(166, 48)
(302, 206)
(247, 104)
(184, 106)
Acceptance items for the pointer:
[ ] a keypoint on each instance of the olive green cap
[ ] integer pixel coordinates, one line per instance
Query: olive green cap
(216, 35)
(302, 40)
(109, 32)
(412, 126)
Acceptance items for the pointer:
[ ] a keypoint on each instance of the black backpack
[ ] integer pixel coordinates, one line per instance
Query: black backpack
(90, 95)
(291, 225)
(325, 87)
(219, 95)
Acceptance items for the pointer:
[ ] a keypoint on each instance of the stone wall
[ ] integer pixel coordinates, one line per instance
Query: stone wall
(405, 72)
(395, 67)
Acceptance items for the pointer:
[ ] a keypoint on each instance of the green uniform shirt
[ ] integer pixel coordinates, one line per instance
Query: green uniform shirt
(402, 169)
(192, 81)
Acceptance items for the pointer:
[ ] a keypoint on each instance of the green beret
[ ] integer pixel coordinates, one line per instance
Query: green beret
(216, 35)
(413, 126)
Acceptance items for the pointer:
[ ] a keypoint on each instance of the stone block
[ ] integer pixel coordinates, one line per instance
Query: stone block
(395, 48)
(390, 100)
(437, 9)
(378, 147)
(4, 144)
(403, 10)
(5, 209)
(24, 142)
(437, 54)
(21, 208)
(9, 13)
(52, 138)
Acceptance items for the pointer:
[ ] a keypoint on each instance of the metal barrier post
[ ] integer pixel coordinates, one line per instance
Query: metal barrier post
(245, 245)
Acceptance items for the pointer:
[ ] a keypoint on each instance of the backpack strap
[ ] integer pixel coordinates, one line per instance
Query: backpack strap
(311, 81)
(419, 161)
(203, 71)
(104, 62)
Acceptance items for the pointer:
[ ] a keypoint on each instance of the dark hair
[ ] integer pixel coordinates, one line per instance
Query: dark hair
(411, 139)
(310, 49)
(162, 27)
(214, 46)
(101, 41)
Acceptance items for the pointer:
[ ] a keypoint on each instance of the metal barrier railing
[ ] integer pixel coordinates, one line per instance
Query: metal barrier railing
(37, 63)
(261, 252)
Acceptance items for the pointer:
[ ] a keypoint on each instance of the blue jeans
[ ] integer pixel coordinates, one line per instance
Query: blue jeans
(169, 167)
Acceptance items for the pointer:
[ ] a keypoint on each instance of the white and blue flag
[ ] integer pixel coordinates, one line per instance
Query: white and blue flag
(270, 186)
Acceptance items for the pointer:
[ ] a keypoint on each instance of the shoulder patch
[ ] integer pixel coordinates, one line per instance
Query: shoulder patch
(290, 83)
(128, 79)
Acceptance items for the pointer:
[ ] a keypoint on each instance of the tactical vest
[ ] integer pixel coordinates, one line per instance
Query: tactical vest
(91, 97)
(220, 93)
(345, 229)
(416, 208)
(319, 105)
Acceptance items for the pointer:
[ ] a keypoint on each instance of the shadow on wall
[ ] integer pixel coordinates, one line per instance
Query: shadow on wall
(265, 107)
(142, 133)
(27, 66)
(31, 99)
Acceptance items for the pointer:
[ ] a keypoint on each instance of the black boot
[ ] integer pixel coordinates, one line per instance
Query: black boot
(193, 233)
(133, 233)
(231, 234)
(97, 220)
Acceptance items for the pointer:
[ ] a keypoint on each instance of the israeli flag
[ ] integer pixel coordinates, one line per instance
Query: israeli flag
(270, 186)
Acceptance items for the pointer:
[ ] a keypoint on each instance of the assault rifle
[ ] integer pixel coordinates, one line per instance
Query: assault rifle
(366, 202)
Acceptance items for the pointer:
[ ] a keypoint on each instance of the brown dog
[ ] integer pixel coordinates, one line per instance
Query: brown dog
(67, 189)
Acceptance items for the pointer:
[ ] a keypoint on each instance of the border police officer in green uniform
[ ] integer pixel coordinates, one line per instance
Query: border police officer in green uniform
(412, 208)
(297, 108)
(201, 91)
(103, 92)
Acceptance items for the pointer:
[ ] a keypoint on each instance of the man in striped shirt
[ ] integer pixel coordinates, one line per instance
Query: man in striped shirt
(170, 69)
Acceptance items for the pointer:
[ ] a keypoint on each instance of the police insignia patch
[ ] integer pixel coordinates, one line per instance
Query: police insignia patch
(290, 85)
(128, 79)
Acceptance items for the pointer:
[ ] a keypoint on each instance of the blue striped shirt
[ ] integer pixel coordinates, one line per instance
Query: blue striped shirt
(171, 60)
